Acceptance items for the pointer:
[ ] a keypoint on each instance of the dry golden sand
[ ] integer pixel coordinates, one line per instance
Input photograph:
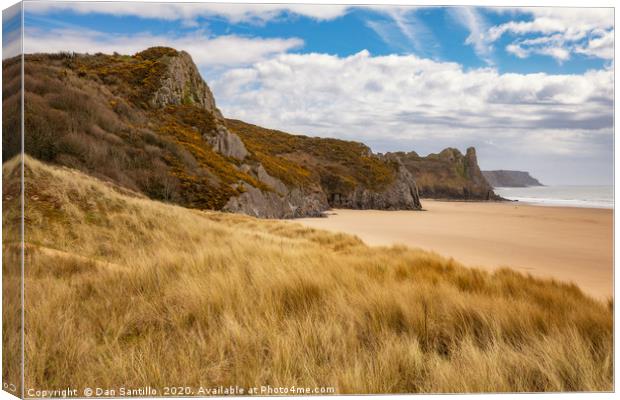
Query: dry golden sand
(568, 244)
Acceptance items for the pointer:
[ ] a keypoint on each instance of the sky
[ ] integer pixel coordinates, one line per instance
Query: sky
(531, 88)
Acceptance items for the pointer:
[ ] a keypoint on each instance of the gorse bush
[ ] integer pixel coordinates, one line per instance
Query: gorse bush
(120, 288)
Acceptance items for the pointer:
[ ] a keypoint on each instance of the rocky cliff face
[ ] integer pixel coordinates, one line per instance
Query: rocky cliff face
(279, 202)
(447, 175)
(503, 178)
(150, 123)
(294, 203)
(182, 84)
(401, 194)
(332, 173)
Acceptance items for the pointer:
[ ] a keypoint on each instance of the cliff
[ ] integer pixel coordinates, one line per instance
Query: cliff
(346, 174)
(149, 122)
(503, 178)
(447, 175)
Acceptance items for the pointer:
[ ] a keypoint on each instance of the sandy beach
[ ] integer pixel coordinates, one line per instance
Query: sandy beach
(568, 244)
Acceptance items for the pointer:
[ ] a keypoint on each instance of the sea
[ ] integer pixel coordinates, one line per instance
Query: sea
(566, 196)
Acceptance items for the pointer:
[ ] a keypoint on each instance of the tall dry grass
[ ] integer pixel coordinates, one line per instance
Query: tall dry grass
(123, 290)
(11, 278)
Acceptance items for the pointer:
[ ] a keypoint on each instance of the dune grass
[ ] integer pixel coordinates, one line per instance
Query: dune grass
(124, 290)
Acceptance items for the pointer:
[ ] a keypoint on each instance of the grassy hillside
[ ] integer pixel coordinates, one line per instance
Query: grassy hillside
(95, 113)
(91, 113)
(123, 289)
(337, 165)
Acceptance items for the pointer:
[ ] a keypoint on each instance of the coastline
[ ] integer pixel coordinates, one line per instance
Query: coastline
(561, 203)
(588, 196)
(571, 244)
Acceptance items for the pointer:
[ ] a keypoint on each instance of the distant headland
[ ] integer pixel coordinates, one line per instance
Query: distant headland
(504, 178)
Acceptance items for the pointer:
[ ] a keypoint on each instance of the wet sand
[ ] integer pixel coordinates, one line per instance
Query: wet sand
(564, 243)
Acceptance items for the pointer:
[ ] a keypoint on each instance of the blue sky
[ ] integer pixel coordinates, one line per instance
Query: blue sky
(441, 36)
(530, 88)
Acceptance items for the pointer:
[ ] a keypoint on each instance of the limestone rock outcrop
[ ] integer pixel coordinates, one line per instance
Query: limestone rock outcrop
(280, 201)
(227, 143)
(401, 194)
(449, 174)
(182, 84)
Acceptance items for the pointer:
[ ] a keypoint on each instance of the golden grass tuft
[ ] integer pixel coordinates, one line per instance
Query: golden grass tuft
(123, 290)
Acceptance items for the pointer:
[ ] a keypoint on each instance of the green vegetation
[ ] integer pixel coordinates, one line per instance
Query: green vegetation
(91, 113)
(11, 108)
(139, 76)
(338, 165)
(121, 288)
(193, 117)
(187, 126)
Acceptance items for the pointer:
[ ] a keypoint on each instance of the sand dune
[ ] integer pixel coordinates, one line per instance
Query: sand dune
(569, 244)
(121, 288)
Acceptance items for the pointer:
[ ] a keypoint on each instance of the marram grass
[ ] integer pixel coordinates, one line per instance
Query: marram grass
(122, 289)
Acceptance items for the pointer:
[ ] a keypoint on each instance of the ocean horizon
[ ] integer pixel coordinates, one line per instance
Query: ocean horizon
(588, 196)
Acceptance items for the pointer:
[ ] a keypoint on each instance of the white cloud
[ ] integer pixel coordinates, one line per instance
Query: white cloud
(558, 32)
(575, 22)
(601, 47)
(11, 31)
(11, 12)
(11, 44)
(188, 12)
(208, 52)
(538, 25)
(402, 29)
(411, 103)
(517, 50)
(559, 53)
(475, 23)
(528, 47)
